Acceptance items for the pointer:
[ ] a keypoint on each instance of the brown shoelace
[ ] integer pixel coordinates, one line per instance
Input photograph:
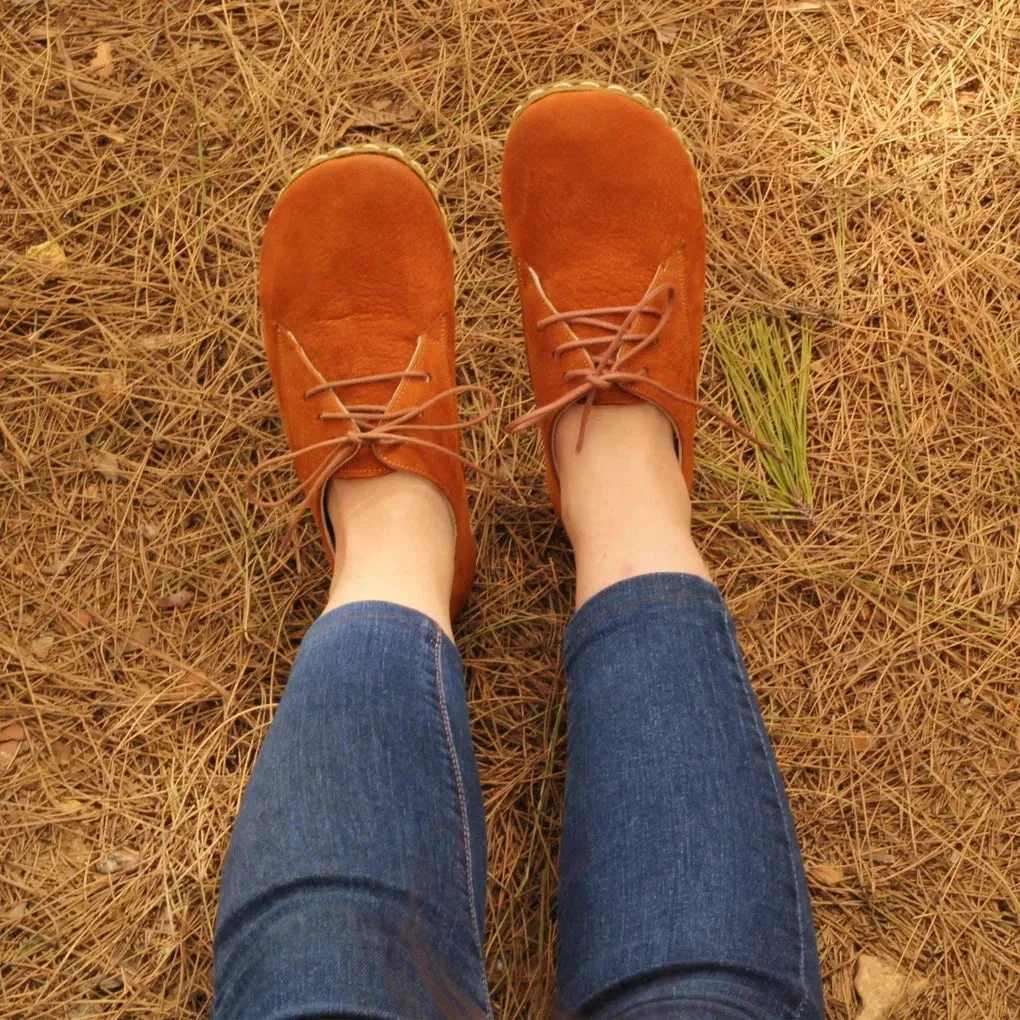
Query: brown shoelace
(373, 426)
(609, 369)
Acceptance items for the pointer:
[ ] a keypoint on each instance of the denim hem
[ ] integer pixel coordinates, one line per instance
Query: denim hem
(635, 591)
(377, 609)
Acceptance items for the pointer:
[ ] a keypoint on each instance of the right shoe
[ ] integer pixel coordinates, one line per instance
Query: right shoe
(602, 207)
(356, 289)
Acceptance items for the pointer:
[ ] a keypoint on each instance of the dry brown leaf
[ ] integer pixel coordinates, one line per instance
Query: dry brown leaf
(8, 752)
(827, 874)
(47, 253)
(61, 752)
(56, 568)
(18, 911)
(882, 857)
(83, 1009)
(859, 740)
(119, 860)
(102, 62)
(110, 386)
(12, 731)
(70, 806)
(882, 987)
(385, 113)
(667, 33)
(75, 622)
(42, 646)
(177, 600)
(107, 465)
(139, 638)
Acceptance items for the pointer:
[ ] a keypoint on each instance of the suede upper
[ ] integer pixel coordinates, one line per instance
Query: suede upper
(601, 205)
(356, 280)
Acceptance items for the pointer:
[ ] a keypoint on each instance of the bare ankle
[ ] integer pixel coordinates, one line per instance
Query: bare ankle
(395, 541)
(625, 504)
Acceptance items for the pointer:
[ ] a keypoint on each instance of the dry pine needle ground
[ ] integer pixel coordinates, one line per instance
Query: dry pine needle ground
(860, 170)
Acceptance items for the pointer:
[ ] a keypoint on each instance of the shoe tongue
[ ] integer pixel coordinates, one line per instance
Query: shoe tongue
(362, 346)
(600, 283)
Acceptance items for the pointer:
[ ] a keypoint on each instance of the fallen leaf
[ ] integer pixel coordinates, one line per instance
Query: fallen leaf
(119, 860)
(83, 1009)
(102, 62)
(56, 568)
(139, 638)
(41, 646)
(18, 911)
(48, 253)
(69, 807)
(12, 731)
(384, 113)
(107, 465)
(882, 857)
(667, 33)
(114, 136)
(8, 752)
(827, 874)
(859, 740)
(882, 987)
(110, 386)
(177, 600)
(75, 622)
(61, 752)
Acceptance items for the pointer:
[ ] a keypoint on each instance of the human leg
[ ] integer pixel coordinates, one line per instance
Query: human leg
(355, 879)
(682, 890)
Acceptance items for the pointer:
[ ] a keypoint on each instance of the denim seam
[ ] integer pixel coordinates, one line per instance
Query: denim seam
(465, 835)
(778, 800)
(612, 610)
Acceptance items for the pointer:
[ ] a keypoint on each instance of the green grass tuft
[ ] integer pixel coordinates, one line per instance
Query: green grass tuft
(767, 368)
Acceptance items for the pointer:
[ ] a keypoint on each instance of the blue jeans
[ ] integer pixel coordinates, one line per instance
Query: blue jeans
(354, 884)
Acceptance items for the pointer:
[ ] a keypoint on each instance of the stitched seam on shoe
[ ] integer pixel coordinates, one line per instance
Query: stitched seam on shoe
(706, 597)
(459, 783)
(779, 796)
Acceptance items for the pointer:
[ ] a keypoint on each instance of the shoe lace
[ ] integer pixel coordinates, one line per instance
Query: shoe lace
(373, 426)
(621, 343)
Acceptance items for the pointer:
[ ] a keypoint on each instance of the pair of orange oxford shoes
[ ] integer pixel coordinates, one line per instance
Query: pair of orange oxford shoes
(604, 216)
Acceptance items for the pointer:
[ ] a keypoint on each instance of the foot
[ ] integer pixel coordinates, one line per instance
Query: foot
(604, 216)
(356, 288)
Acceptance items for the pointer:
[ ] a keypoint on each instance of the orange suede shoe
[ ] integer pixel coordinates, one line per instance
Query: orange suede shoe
(604, 215)
(356, 288)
